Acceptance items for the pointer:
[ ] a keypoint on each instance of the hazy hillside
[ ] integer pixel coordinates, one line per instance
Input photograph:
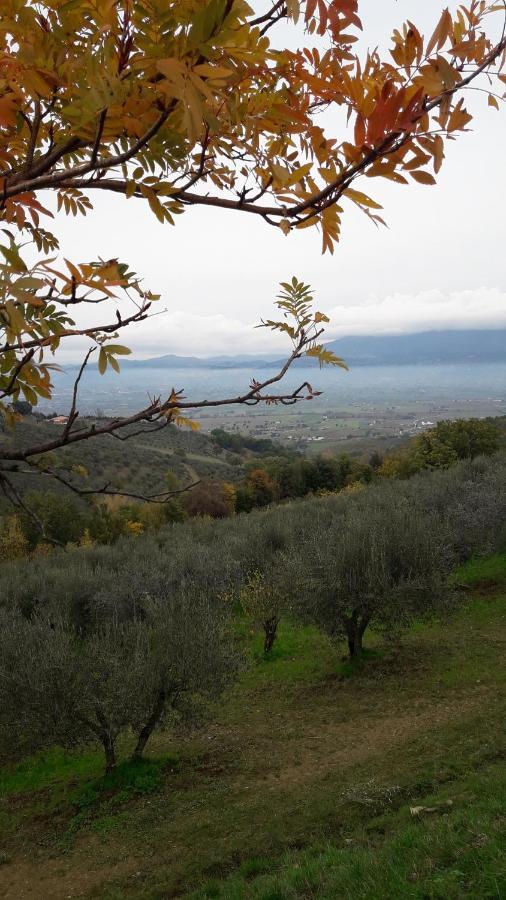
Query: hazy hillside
(478, 345)
(424, 347)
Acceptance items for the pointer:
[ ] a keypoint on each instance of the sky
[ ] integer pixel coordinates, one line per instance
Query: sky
(439, 264)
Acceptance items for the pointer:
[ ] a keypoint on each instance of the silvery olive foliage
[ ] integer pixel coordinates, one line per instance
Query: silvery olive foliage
(100, 642)
(127, 657)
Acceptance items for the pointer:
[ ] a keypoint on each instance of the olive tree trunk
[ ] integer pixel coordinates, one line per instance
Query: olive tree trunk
(355, 627)
(147, 730)
(110, 754)
(107, 739)
(270, 627)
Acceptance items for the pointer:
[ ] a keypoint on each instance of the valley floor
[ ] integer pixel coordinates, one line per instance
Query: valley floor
(302, 787)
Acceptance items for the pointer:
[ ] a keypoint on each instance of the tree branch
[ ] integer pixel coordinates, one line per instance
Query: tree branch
(56, 178)
(158, 409)
(162, 497)
(138, 316)
(100, 130)
(34, 132)
(73, 177)
(73, 414)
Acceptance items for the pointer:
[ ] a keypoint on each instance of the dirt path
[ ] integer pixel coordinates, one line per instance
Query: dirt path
(322, 748)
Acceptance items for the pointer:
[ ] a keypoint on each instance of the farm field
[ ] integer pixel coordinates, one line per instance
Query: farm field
(371, 406)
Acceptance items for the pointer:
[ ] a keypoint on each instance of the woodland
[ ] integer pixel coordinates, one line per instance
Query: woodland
(228, 669)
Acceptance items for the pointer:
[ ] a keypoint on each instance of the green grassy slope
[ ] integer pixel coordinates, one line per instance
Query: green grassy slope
(301, 786)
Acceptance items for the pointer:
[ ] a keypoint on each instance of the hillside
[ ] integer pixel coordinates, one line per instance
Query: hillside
(139, 464)
(302, 787)
(271, 772)
(424, 347)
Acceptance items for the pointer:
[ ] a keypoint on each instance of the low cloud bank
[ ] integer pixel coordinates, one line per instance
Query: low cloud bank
(186, 334)
(426, 311)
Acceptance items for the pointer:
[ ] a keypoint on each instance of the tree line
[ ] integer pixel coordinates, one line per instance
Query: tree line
(267, 479)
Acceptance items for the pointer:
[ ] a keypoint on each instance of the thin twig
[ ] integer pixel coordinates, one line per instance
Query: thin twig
(34, 133)
(162, 497)
(11, 386)
(73, 414)
(100, 130)
(14, 497)
(158, 410)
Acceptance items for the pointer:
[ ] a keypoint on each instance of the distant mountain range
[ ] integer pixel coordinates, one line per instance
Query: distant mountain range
(477, 345)
(171, 361)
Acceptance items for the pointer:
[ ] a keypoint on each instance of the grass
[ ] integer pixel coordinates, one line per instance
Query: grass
(54, 767)
(484, 572)
(299, 786)
(453, 855)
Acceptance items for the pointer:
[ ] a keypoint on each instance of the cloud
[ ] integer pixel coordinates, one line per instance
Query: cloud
(188, 334)
(425, 311)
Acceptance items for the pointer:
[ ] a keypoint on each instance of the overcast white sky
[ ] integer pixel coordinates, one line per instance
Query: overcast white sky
(440, 264)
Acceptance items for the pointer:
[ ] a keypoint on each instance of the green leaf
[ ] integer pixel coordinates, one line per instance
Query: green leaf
(117, 349)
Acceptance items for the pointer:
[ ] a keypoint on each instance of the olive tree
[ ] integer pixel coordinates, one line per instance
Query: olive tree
(265, 598)
(263, 544)
(471, 497)
(380, 563)
(60, 685)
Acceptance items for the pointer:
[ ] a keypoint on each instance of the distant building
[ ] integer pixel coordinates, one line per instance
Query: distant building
(59, 420)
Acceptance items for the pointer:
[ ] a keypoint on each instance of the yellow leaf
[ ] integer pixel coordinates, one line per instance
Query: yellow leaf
(205, 70)
(326, 357)
(293, 7)
(74, 271)
(361, 199)
(459, 118)
(423, 177)
(442, 31)
(438, 152)
(184, 422)
(171, 68)
(297, 175)
(102, 361)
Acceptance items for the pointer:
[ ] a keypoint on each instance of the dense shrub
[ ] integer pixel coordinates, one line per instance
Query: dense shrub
(240, 442)
(472, 495)
(209, 498)
(442, 446)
